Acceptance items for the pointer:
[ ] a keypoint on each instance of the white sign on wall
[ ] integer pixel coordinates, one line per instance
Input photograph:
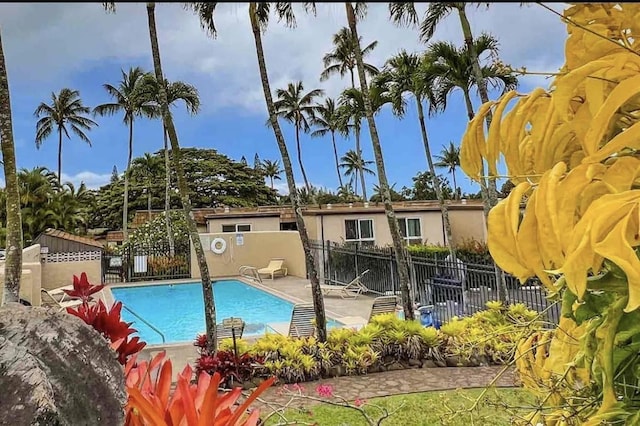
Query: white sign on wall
(139, 264)
(239, 239)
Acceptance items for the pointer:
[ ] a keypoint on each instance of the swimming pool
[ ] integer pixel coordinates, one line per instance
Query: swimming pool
(178, 312)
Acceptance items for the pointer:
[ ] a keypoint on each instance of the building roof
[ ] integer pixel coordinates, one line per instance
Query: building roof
(286, 213)
(56, 233)
(115, 236)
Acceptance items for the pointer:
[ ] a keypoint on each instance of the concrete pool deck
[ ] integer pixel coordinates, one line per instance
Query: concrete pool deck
(350, 312)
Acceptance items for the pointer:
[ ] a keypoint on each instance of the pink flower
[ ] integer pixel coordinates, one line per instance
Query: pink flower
(297, 387)
(359, 402)
(325, 391)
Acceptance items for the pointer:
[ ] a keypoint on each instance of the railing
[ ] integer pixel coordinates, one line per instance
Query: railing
(454, 288)
(140, 263)
(250, 272)
(147, 323)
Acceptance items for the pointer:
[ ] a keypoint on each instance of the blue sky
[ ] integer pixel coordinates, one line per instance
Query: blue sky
(51, 46)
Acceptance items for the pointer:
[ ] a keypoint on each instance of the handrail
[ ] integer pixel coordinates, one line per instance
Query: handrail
(146, 322)
(255, 276)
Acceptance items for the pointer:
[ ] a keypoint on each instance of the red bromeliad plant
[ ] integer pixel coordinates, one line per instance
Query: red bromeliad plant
(107, 322)
(230, 366)
(151, 402)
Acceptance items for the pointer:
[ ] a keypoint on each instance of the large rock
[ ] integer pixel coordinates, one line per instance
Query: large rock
(56, 370)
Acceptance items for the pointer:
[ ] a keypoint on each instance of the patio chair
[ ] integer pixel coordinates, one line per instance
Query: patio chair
(301, 324)
(274, 267)
(347, 291)
(61, 304)
(383, 305)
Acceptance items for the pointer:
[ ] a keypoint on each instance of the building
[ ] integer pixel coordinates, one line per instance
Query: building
(366, 223)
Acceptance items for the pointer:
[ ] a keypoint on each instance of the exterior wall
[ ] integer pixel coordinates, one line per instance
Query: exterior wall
(257, 249)
(60, 273)
(467, 224)
(267, 223)
(313, 227)
(430, 226)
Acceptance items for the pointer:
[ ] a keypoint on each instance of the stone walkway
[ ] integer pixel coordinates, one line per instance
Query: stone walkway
(396, 383)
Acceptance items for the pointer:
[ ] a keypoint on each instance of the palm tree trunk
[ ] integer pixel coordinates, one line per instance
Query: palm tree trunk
(13, 263)
(304, 174)
(434, 179)
(271, 177)
(59, 154)
(360, 169)
(125, 205)
(207, 288)
(455, 185)
(335, 155)
(294, 196)
(167, 193)
(491, 191)
(398, 243)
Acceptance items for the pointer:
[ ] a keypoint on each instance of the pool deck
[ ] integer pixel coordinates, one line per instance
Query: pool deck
(350, 312)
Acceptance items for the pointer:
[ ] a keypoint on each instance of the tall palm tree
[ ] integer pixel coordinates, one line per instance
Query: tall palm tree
(327, 120)
(130, 98)
(176, 91)
(148, 166)
(352, 110)
(13, 263)
(398, 243)
(298, 108)
(66, 108)
(183, 189)
(403, 74)
(272, 170)
(342, 58)
(449, 159)
(450, 67)
(355, 165)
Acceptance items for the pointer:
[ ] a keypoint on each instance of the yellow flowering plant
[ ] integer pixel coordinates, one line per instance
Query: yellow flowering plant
(573, 153)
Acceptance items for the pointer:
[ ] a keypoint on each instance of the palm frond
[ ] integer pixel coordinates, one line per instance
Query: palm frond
(79, 133)
(403, 14)
(205, 13)
(107, 109)
(436, 12)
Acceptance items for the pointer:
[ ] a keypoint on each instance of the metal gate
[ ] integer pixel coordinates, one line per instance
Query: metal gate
(143, 263)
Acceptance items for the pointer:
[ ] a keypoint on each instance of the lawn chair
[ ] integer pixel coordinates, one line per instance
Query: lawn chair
(274, 267)
(59, 303)
(301, 324)
(383, 305)
(348, 291)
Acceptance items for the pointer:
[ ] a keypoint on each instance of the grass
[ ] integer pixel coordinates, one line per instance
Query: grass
(426, 408)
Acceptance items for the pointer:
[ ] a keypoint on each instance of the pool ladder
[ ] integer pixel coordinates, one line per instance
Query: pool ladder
(145, 321)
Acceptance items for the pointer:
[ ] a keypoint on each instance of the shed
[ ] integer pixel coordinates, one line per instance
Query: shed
(57, 241)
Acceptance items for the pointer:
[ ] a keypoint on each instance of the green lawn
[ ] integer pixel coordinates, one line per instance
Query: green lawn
(427, 408)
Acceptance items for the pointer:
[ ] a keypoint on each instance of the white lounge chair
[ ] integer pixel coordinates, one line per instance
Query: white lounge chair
(59, 303)
(347, 291)
(383, 305)
(274, 267)
(301, 324)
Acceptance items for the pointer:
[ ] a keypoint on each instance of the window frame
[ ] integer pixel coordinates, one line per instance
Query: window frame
(359, 231)
(407, 238)
(235, 227)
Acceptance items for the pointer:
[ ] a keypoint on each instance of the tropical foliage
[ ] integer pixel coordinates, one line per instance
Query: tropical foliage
(571, 153)
(45, 204)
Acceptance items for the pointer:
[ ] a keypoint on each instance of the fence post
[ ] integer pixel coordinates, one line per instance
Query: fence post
(393, 274)
(412, 277)
(355, 254)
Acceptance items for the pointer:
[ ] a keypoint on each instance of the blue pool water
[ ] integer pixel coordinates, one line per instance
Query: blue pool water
(178, 312)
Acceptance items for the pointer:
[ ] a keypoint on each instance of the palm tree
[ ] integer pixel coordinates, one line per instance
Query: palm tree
(352, 110)
(176, 91)
(402, 74)
(327, 120)
(342, 58)
(398, 242)
(355, 165)
(272, 170)
(66, 108)
(129, 97)
(183, 189)
(13, 263)
(148, 166)
(450, 67)
(299, 109)
(449, 159)
(346, 192)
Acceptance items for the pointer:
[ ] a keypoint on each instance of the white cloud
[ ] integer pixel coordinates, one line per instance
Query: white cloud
(64, 38)
(90, 179)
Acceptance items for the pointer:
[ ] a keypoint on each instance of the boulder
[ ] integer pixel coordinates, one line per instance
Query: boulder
(56, 370)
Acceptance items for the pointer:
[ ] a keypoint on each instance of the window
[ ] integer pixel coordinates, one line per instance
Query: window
(360, 230)
(237, 227)
(410, 230)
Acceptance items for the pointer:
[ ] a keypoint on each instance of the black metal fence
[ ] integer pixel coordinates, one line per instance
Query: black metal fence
(147, 264)
(454, 288)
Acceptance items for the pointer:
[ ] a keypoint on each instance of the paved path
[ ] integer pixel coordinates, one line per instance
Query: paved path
(397, 383)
